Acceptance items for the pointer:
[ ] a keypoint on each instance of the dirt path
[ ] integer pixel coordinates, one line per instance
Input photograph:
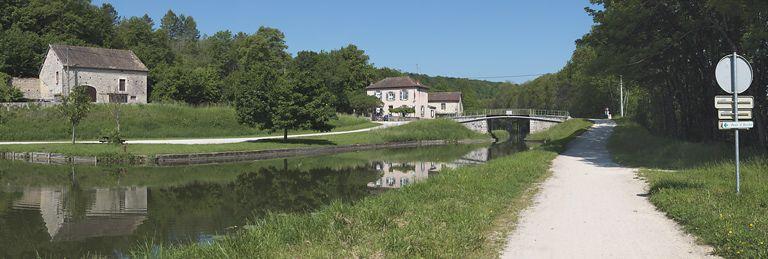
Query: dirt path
(200, 141)
(592, 208)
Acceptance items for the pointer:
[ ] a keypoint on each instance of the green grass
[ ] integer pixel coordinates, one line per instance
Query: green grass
(427, 130)
(559, 135)
(150, 121)
(632, 145)
(701, 195)
(419, 130)
(452, 215)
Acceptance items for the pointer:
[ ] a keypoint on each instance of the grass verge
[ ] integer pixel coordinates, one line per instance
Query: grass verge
(415, 131)
(448, 216)
(143, 121)
(701, 194)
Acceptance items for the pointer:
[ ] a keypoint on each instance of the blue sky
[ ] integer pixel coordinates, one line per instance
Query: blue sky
(449, 38)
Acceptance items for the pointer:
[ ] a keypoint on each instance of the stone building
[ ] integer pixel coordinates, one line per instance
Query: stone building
(395, 92)
(110, 75)
(446, 103)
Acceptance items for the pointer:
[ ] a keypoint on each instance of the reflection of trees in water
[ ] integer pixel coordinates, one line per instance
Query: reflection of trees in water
(182, 213)
(290, 190)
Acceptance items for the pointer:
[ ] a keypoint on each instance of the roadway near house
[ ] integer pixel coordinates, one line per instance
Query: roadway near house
(593, 208)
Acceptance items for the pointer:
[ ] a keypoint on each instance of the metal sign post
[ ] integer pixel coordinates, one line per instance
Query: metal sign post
(734, 75)
(736, 119)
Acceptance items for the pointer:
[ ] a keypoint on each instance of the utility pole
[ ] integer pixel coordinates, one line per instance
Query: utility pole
(621, 94)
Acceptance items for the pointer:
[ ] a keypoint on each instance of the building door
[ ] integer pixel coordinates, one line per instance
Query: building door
(91, 92)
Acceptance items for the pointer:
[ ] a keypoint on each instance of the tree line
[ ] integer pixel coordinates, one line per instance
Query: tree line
(666, 52)
(186, 66)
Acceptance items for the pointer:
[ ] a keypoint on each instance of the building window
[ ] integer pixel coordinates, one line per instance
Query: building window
(442, 106)
(390, 96)
(377, 94)
(432, 113)
(422, 111)
(121, 87)
(118, 98)
(403, 95)
(57, 77)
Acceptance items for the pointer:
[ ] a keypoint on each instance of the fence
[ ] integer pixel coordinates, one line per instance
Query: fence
(513, 112)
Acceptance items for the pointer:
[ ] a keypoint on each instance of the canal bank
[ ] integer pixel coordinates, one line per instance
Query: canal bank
(449, 216)
(75, 210)
(427, 132)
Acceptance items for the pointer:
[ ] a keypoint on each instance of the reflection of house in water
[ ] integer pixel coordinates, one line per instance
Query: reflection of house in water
(111, 212)
(396, 175)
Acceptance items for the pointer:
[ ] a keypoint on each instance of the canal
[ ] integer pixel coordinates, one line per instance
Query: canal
(76, 211)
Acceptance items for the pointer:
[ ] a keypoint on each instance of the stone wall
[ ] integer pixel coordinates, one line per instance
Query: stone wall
(480, 126)
(29, 86)
(537, 126)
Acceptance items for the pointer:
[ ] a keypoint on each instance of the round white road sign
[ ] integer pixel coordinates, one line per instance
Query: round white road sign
(743, 74)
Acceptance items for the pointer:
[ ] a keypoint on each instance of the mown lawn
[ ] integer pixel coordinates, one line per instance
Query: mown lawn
(452, 215)
(419, 130)
(700, 191)
(145, 121)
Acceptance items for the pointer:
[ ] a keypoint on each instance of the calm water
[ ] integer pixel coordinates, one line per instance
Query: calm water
(75, 211)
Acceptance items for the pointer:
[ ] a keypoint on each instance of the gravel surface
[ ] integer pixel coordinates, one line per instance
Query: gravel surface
(593, 208)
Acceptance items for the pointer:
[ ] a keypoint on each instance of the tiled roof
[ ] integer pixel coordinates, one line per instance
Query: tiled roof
(396, 82)
(100, 58)
(445, 97)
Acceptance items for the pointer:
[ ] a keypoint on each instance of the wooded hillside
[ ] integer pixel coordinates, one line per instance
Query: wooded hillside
(667, 52)
(186, 66)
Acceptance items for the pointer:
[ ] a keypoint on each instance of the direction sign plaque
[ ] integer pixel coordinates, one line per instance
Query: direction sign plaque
(726, 102)
(735, 125)
(727, 114)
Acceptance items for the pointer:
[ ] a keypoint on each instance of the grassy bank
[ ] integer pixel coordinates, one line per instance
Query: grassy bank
(557, 137)
(452, 215)
(419, 130)
(149, 121)
(700, 194)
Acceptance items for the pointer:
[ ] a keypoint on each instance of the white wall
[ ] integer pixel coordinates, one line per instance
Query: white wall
(105, 81)
(417, 98)
(450, 107)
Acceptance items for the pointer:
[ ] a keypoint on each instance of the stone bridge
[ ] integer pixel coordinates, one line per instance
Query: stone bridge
(538, 120)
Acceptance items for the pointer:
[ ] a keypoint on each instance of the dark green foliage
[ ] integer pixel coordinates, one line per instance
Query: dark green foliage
(188, 67)
(364, 104)
(193, 85)
(667, 55)
(7, 92)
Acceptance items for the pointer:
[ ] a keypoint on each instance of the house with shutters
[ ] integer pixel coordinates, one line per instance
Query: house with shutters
(401, 91)
(109, 75)
(446, 103)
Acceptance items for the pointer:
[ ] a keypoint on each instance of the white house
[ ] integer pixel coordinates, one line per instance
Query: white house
(446, 103)
(110, 75)
(395, 92)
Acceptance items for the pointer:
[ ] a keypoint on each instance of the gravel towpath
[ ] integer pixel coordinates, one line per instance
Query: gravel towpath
(593, 208)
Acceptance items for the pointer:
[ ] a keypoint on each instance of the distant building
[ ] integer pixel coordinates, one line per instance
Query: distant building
(446, 103)
(110, 75)
(395, 92)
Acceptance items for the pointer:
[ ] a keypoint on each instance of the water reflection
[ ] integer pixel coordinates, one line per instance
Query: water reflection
(62, 211)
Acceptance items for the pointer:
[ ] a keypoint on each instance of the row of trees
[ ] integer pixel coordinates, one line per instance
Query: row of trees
(666, 52)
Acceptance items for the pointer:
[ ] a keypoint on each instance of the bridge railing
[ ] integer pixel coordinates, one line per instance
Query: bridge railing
(513, 112)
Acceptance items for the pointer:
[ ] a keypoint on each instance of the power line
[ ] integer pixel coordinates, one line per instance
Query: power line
(512, 76)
